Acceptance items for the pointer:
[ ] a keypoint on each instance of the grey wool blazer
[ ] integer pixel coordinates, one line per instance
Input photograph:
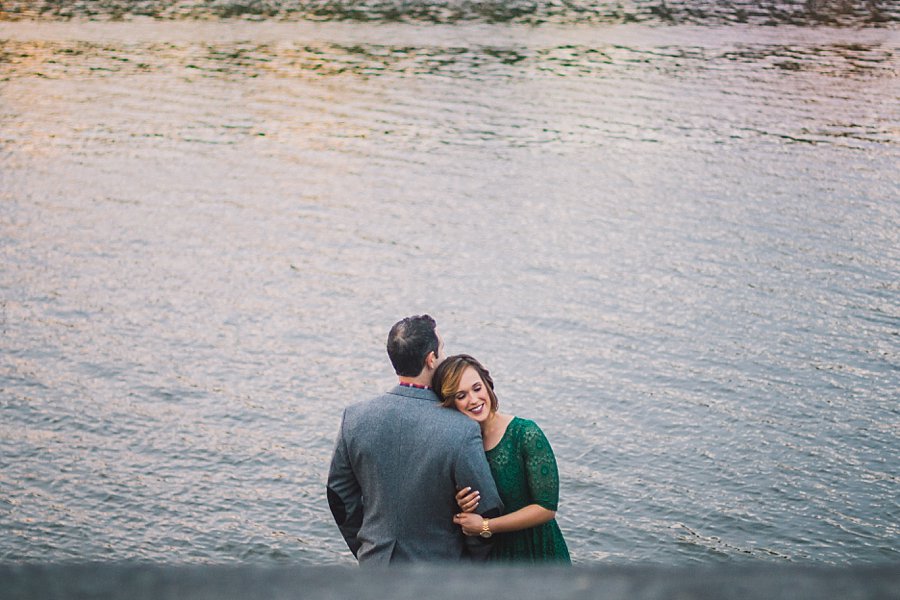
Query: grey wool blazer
(398, 461)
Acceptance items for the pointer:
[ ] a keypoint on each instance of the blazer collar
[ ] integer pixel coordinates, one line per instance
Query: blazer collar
(411, 392)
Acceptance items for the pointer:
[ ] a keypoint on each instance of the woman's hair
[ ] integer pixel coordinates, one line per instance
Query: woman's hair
(445, 382)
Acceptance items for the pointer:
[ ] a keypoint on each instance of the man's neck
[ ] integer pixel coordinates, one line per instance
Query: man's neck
(420, 381)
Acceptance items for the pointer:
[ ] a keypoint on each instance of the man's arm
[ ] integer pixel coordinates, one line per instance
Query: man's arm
(472, 470)
(344, 494)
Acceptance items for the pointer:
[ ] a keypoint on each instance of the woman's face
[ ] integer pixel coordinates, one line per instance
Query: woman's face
(472, 399)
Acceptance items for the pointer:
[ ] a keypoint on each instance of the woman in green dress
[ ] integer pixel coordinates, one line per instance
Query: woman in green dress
(521, 461)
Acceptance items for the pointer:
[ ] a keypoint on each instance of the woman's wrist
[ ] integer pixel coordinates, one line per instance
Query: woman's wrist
(486, 529)
(496, 524)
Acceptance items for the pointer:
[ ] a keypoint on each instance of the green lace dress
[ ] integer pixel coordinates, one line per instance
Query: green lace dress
(525, 470)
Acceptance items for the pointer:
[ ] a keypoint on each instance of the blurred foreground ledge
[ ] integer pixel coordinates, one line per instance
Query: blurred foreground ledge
(161, 582)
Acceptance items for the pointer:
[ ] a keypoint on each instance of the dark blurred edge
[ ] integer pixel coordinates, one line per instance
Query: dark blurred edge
(163, 582)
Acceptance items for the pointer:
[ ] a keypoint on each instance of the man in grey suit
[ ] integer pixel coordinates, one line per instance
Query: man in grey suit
(399, 460)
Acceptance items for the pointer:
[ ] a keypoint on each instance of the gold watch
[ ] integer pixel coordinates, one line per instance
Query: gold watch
(486, 528)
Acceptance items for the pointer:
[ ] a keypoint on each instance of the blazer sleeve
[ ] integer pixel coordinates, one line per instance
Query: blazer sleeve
(344, 493)
(472, 469)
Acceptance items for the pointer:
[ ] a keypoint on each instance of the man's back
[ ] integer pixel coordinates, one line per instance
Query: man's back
(399, 460)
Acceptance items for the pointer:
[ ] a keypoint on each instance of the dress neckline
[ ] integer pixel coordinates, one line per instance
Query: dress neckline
(502, 437)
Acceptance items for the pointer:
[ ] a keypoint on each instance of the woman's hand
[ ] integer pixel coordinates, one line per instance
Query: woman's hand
(467, 500)
(470, 522)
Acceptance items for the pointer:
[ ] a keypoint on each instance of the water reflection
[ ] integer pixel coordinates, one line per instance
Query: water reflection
(248, 60)
(790, 12)
(715, 70)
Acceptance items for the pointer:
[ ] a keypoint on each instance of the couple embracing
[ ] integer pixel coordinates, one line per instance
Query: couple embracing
(432, 471)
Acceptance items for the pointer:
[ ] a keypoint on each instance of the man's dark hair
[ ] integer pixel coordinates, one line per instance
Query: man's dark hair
(409, 342)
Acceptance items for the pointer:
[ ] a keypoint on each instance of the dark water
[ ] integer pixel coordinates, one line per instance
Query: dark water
(669, 12)
(676, 247)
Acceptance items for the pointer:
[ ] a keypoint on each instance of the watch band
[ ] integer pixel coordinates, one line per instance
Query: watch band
(486, 528)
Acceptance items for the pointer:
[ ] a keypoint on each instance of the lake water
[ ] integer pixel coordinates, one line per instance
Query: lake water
(674, 240)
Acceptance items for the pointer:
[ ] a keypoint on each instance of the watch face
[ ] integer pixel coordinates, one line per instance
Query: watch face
(486, 534)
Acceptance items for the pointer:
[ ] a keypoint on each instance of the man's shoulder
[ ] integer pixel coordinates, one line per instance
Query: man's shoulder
(361, 408)
(454, 424)
(452, 416)
(431, 411)
(377, 402)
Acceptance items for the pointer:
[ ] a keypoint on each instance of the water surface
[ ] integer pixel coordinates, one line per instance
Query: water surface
(675, 246)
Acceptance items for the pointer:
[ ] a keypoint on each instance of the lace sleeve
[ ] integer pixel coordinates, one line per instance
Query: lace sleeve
(540, 468)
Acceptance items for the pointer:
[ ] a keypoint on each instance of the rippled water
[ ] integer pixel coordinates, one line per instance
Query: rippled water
(676, 248)
(758, 12)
